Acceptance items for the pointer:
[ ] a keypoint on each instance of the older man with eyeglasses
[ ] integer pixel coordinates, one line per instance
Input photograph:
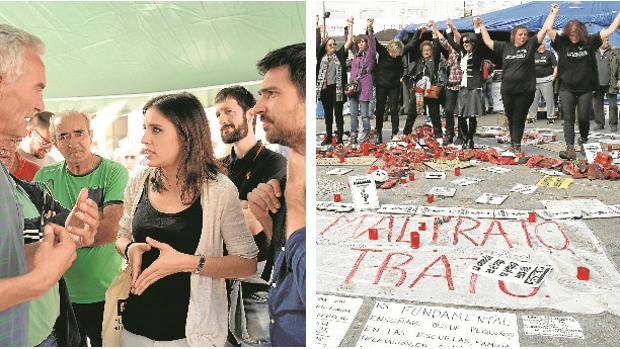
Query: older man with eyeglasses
(38, 144)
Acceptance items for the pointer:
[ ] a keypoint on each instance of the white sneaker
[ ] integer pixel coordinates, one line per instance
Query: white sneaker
(440, 141)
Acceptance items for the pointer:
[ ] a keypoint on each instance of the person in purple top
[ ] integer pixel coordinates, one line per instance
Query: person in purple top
(361, 68)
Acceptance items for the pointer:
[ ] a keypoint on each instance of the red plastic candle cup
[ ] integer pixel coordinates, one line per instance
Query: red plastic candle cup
(415, 239)
(532, 217)
(373, 234)
(373, 168)
(457, 171)
(422, 226)
(430, 198)
(403, 180)
(334, 141)
(583, 273)
(411, 177)
(365, 149)
(341, 159)
(337, 197)
(609, 148)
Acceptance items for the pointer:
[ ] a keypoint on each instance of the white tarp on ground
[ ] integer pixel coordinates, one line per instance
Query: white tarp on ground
(438, 271)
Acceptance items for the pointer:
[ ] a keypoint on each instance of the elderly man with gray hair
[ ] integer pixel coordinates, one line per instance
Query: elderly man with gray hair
(26, 272)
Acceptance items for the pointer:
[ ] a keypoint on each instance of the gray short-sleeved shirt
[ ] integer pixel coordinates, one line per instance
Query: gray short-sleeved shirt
(13, 321)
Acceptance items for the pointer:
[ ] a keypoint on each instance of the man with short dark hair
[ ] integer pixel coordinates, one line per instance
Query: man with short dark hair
(249, 164)
(282, 108)
(37, 145)
(97, 265)
(608, 64)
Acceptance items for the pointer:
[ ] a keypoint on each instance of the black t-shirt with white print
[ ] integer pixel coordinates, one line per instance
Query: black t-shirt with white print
(544, 64)
(577, 69)
(518, 70)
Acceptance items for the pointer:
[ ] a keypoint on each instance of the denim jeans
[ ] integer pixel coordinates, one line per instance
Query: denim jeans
(50, 341)
(256, 310)
(544, 89)
(353, 106)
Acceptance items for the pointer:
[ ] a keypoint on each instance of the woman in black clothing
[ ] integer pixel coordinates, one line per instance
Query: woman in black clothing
(578, 76)
(331, 77)
(388, 76)
(519, 73)
(425, 74)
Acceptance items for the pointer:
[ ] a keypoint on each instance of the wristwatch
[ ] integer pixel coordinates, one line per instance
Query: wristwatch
(201, 264)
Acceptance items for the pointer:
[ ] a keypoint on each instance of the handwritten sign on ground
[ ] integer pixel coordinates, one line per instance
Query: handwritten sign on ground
(591, 149)
(334, 206)
(508, 270)
(438, 271)
(435, 175)
(563, 326)
(405, 325)
(523, 188)
(354, 161)
(490, 198)
(554, 182)
(446, 165)
(397, 209)
(339, 171)
(550, 172)
(334, 315)
(497, 169)
(465, 181)
(442, 191)
(584, 208)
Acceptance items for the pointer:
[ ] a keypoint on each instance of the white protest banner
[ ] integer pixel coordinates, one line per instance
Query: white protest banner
(497, 169)
(576, 204)
(477, 212)
(508, 270)
(339, 171)
(490, 198)
(438, 271)
(442, 191)
(523, 188)
(561, 326)
(559, 214)
(397, 209)
(595, 212)
(364, 192)
(408, 325)
(334, 316)
(510, 214)
(591, 149)
(437, 211)
(435, 175)
(465, 181)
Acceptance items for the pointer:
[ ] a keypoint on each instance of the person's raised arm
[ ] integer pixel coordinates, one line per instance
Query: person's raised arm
(349, 33)
(605, 33)
(486, 38)
(372, 48)
(548, 25)
(320, 49)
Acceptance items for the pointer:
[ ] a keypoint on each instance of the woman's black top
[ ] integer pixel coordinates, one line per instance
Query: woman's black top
(160, 312)
(577, 70)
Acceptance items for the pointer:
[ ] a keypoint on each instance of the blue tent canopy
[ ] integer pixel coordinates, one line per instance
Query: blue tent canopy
(596, 15)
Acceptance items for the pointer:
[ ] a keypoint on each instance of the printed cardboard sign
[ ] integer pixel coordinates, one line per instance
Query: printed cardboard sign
(410, 325)
(465, 181)
(490, 198)
(339, 171)
(442, 191)
(497, 169)
(591, 149)
(334, 316)
(554, 182)
(364, 192)
(435, 175)
(560, 326)
(397, 209)
(523, 273)
(523, 188)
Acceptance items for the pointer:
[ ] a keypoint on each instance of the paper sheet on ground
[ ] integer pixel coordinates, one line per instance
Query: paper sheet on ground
(363, 192)
(490, 198)
(550, 172)
(523, 188)
(510, 270)
(465, 181)
(554, 182)
(591, 149)
(354, 161)
(334, 316)
(497, 169)
(435, 175)
(438, 271)
(408, 325)
(397, 209)
(563, 326)
(442, 191)
(339, 171)
(334, 206)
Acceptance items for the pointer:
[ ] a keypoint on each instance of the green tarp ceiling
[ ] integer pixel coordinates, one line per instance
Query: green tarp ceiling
(119, 51)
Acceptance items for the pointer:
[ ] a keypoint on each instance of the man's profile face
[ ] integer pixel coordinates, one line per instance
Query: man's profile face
(282, 109)
(73, 138)
(21, 99)
(40, 142)
(233, 121)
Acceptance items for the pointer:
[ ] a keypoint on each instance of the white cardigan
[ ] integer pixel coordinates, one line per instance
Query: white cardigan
(222, 221)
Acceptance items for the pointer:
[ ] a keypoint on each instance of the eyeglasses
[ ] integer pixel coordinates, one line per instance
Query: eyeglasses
(129, 156)
(46, 141)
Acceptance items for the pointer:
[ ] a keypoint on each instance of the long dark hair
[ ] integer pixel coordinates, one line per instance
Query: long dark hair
(198, 164)
(579, 27)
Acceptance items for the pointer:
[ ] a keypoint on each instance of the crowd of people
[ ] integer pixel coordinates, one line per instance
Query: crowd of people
(212, 250)
(450, 73)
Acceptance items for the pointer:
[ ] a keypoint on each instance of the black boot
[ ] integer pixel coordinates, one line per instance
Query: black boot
(462, 136)
(378, 136)
(471, 131)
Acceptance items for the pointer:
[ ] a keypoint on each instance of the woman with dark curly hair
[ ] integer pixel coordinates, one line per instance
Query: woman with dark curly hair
(578, 77)
(331, 77)
(178, 213)
(519, 73)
